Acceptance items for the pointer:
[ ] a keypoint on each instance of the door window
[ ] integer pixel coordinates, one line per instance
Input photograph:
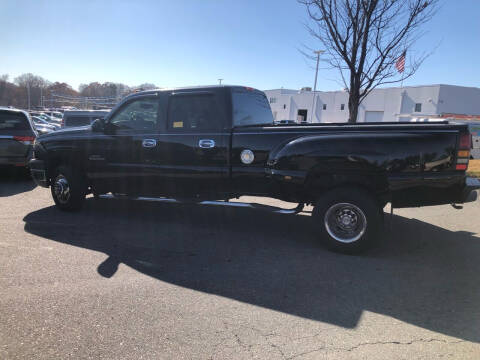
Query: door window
(139, 114)
(195, 112)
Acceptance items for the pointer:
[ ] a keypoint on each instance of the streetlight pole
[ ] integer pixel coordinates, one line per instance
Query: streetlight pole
(220, 81)
(28, 94)
(318, 52)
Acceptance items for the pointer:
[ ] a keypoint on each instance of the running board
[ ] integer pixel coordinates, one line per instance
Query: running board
(273, 209)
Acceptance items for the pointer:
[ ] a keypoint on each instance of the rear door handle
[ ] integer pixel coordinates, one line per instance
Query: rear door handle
(149, 143)
(206, 143)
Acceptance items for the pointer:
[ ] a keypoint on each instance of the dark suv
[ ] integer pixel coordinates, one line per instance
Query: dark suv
(16, 137)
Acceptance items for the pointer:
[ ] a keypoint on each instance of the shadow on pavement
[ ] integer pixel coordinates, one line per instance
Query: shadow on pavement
(423, 274)
(15, 181)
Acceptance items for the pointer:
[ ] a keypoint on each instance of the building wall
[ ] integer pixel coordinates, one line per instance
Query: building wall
(389, 104)
(459, 100)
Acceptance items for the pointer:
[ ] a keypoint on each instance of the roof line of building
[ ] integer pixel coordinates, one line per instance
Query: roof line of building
(381, 88)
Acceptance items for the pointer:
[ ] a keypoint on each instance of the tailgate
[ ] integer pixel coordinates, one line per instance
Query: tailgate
(10, 147)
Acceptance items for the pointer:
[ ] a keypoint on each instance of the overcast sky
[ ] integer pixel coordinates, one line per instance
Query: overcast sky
(193, 42)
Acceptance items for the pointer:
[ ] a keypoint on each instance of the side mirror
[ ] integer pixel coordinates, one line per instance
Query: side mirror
(98, 125)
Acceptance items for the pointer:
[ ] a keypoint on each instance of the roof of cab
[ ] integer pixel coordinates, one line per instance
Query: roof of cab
(187, 88)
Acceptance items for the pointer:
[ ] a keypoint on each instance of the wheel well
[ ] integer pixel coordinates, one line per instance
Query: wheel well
(374, 186)
(353, 186)
(380, 198)
(56, 162)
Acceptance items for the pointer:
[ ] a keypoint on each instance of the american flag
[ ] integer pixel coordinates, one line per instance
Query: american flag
(400, 64)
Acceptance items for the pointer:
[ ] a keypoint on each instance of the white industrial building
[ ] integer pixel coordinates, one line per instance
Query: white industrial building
(386, 104)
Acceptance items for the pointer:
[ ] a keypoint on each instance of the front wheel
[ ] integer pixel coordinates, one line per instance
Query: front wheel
(68, 189)
(349, 220)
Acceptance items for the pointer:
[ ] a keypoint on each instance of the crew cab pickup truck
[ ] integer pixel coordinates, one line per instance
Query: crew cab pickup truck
(220, 142)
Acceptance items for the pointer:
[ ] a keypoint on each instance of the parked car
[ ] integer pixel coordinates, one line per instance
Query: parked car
(220, 142)
(285, 122)
(82, 117)
(16, 137)
(43, 129)
(41, 121)
(42, 126)
(57, 115)
(49, 119)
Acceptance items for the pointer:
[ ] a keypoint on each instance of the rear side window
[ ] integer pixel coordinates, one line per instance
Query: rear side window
(194, 112)
(13, 121)
(250, 107)
(77, 120)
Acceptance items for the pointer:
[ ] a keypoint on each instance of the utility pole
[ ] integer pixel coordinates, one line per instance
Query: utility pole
(28, 94)
(220, 81)
(318, 52)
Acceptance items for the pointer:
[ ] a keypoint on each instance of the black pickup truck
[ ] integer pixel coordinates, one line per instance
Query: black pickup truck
(220, 142)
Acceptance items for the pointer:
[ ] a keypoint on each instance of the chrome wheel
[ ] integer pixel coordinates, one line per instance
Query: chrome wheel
(61, 189)
(345, 222)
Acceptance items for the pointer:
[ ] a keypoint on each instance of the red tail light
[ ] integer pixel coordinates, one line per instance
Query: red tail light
(463, 154)
(27, 140)
(465, 141)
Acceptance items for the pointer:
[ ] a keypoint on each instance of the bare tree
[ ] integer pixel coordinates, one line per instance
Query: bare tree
(146, 86)
(364, 39)
(34, 86)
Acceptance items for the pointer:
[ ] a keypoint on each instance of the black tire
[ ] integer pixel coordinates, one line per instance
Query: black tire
(65, 180)
(348, 220)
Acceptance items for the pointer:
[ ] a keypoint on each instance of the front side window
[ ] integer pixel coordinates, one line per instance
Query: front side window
(194, 112)
(250, 107)
(139, 114)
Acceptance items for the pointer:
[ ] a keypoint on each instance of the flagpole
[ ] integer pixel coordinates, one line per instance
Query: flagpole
(404, 62)
(400, 65)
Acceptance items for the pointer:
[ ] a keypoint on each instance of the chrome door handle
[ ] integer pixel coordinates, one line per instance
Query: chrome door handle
(206, 143)
(149, 143)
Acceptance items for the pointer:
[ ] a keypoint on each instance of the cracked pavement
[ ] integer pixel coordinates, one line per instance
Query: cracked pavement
(125, 280)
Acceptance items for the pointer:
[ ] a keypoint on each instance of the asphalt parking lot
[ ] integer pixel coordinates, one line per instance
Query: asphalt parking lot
(133, 280)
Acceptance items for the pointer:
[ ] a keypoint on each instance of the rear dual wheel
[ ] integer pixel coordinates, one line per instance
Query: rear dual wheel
(348, 220)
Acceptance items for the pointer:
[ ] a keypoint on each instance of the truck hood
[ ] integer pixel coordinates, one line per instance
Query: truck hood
(67, 132)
